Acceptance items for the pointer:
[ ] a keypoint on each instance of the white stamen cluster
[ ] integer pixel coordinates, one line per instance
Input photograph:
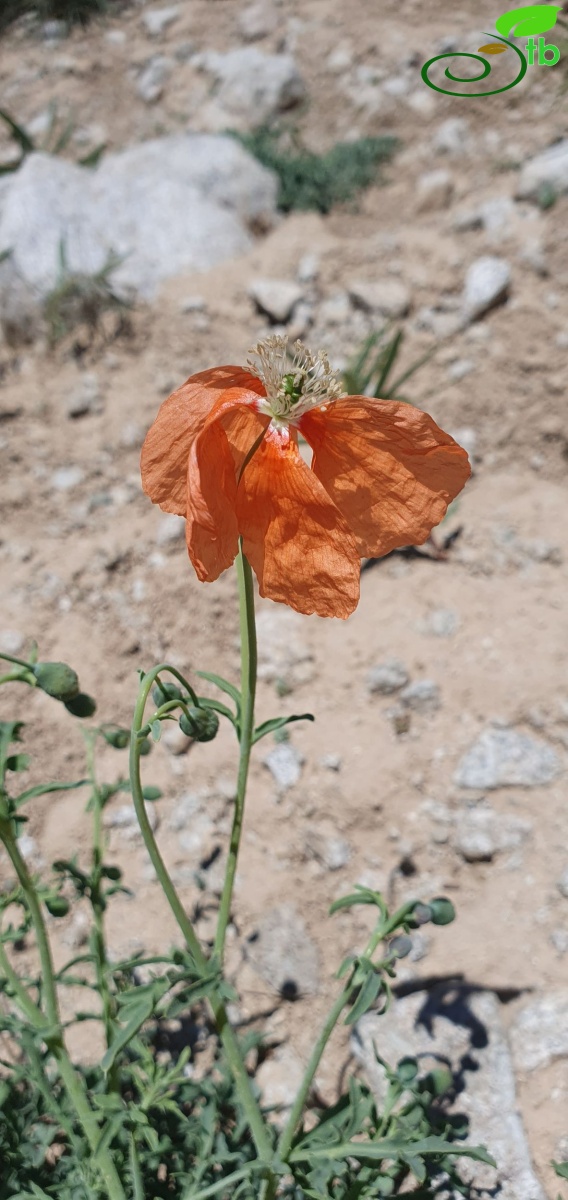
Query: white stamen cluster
(295, 380)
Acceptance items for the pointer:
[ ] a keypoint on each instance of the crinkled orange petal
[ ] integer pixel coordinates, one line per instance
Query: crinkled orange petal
(166, 448)
(387, 466)
(216, 457)
(294, 537)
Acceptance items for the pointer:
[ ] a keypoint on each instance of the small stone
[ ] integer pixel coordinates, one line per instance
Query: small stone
(453, 137)
(284, 657)
(308, 268)
(11, 641)
(389, 297)
(539, 1033)
(441, 622)
(422, 696)
(435, 191)
(257, 21)
(279, 1076)
(331, 762)
(171, 528)
(252, 87)
(548, 170)
(152, 79)
(78, 932)
(276, 298)
(458, 370)
(55, 31)
(124, 818)
(282, 952)
(487, 284)
(335, 310)
(131, 435)
(331, 851)
(66, 478)
(285, 765)
(562, 884)
(468, 439)
(115, 37)
(559, 939)
(28, 847)
(175, 740)
(86, 398)
(506, 758)
(156, 20)
(192, 304)
(533, 256)
(480, 834)
(387, 677)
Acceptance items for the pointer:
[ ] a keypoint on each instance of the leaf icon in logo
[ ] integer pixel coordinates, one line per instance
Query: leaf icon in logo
(526, 21)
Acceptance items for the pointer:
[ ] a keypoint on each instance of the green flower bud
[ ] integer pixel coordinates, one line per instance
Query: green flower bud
(113, 873)
(57, 679)
(443, 911)
(401, 945)
(201, 724)
(116, 737)
(171, 690)
(58, 906)
(407, 1070)
(420, 916)
(81, 705)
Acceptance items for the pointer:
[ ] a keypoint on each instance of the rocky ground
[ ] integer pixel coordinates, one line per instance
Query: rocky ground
(437, 763)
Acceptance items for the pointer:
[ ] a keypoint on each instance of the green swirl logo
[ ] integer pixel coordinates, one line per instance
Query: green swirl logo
(531, 21)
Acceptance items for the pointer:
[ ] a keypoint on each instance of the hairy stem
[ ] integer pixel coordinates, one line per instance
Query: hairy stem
(52, 1025)
(224, 1029)
(248, 692)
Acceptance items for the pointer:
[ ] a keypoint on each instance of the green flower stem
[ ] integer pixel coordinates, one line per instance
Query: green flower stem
(380, 933)
(98, 907)
(224, 1029)
(54, 1034)
(248, 692)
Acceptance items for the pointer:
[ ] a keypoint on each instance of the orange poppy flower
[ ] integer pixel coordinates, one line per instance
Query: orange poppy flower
(223, 452)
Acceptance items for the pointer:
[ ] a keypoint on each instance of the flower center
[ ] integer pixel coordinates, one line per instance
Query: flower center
(295, 380)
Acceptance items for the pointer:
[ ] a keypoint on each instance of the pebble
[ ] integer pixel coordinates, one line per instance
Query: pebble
(562, 884)
(171, 528)
(66, 478)
(453, 137)
(281, 951)
(284, 657)
(487, 284)
(387, 677)
(279, 1076)
(285, 765)
(441, 622)
(480, 834)
(54, 31)
(389, 297)
(192, 304)
(539, 1033)
(468, 439)
(153, 77)
(86, 398)
(506, 758)
(175, 740)
(422, 696)
(458, 370)
(11, 641)
(559, 939)
(331, 762)
(257, 21)
(434, 191)
(335, 310)
(77, 933)
(276, 298)
(331, 851)
(124, 818)
(548, 170)
(308, 268)
(156, 20)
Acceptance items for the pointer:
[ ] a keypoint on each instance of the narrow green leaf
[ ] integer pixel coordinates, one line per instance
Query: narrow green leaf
(43, 789)
(366, 997)
(18, 132)
(389, 359)
(392, 1148)
(278, 723)
(142, 1011)
(223, 685)
(156, 730)
(561, 1169)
